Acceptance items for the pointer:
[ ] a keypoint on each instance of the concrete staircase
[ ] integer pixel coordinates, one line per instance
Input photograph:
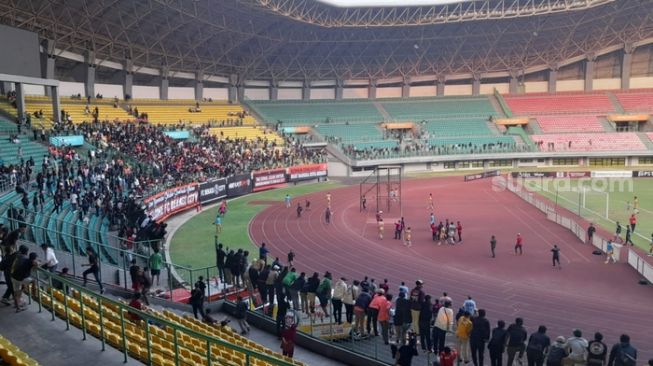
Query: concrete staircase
(615, 102)
(496, 104)
(607, 126)
(384, 113)
(645, 140)
(533, 127)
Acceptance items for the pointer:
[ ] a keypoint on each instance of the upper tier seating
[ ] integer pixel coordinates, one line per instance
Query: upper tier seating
(429, 108)
(352, 132)
(636, 101)
(76, 108)
(171, 112)
(457, 127)
(529, 105)
(617, 141)
(9, 151)
(580, 123)
(311, 112)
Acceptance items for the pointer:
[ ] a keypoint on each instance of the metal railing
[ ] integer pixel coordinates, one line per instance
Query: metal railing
(186, 342)
(174, 276)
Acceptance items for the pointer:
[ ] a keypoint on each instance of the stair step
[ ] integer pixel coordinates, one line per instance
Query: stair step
(645, 140)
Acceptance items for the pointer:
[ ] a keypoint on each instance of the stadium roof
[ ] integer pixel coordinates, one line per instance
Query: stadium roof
(386, 3)
(305, 39)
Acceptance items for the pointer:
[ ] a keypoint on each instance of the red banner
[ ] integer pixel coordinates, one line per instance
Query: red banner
(266, 179)
(304, 172)
(172, 201)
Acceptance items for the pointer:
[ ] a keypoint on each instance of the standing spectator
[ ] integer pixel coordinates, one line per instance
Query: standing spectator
(416, 300)
(360, 309)
(197, 300)
(459, 229)
(538, 347)
(220, 261)
(288, 338)
(93, 267)
(516, 337)
(339, 291)
(134, 273)
(609, 253)
(324, 293)
(623, 353)
(404, 354)
(20, 275)
(146, 284)
(8, 257)
(463, 332)
(470, 306)
(373, 312)
(263, 253)
(497, 344)
(402, 318)
(241, 315)
(295, 289)
(384, 318)
(291, 258)
(443, 324)
(480, 335)
(155, 262)
(577, 348)
(597, 351)
(590, 233)
(557, 352)
(633, 222)
(50, 263)
(425, 317)
(312, 284)
(349, 298)
(269, 288)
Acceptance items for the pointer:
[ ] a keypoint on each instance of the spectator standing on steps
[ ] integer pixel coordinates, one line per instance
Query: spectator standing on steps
(479, 337)
(597, 351)
(241, 315)
(538, 346)
(516, 337)
(497, 344)
(623, 353)
(577, 348)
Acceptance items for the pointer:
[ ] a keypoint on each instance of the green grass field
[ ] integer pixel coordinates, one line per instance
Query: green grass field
(193, 244)
(603, 196)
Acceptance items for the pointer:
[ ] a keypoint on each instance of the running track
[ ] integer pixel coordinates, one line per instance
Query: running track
(585, 294)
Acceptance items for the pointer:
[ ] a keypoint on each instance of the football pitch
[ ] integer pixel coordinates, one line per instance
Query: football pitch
(603, 201)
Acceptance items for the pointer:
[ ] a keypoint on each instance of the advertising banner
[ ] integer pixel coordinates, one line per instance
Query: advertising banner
(612, 174)
(533, 174)
(266, 179)
(488, 174)
(212, 190)
(74, 140)
(238, 185)
(172, 201)
(575, 175)
(643, 174)
(304, 172)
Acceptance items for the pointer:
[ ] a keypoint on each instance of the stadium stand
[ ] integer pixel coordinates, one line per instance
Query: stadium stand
(77, 109)
(432, 108)
(564, 123)
(12, 356)
(562, 103)
(618, 141)
(297, 113)
(455, 127)
(176, 111)
(636, 100)
(251, 133)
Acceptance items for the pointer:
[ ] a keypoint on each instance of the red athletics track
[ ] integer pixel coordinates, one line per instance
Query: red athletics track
(586, 293)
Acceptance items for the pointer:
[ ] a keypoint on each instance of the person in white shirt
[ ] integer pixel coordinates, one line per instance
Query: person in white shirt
(339, 291)
(50, 263)
(577, 346)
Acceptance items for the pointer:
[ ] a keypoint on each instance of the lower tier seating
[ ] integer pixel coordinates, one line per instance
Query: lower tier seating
(580, 123)
(617, 141)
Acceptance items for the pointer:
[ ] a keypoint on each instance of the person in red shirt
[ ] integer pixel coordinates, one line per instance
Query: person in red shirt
(459, 228)
(518, 244)
(136, 304)
(434, 231)
(398, 230)
(448, 357)
(633, 222)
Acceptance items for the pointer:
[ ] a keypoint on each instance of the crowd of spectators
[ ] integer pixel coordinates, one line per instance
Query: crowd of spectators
(408, 318)
(421, 148)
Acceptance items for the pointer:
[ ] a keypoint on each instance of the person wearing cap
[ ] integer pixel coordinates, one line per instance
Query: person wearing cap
(339, 292)
(51, 261)
(416, 299)
(519, 244)
(577, 348)
(557, 352)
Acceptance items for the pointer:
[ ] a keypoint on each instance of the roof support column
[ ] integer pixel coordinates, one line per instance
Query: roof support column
(274, 90)
(128, 81)
(233, 88)
(626, 65)
(405, 87)
(20, 100)
(589, 72)
(439, 85)
(339, 88)
(49, 63)
(56, 107)
(89, 75)
(199, 86)
(513, 87)
(371, 89)
(476, 84)
(163, 88)
(306, 90)
(553, 78)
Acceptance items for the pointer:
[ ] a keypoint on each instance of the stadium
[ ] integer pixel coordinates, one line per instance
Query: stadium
(326, 182)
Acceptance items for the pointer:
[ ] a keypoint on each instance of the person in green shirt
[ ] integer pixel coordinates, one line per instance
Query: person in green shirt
(155, 262)
(288, 280)
(324, 293)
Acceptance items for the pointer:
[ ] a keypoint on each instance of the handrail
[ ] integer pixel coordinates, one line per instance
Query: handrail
(43, 276)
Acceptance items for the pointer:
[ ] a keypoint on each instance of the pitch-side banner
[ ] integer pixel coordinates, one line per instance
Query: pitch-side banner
(305, 172)
(213, 190)
(643, 174)
(167, 203)
(266, 179)
(488, 174)
(238, 185)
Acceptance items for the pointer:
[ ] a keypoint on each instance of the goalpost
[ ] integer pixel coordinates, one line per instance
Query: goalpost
(596, 202)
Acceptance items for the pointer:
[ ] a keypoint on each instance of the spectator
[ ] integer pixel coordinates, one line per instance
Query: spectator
(463, 333)
(50, 263)
(425, 318)
(197, 300)
(597, 351)
(516, 337)
(538, 347)
(443, 324)
(402, 318)
(479, 337)
(241, 315)
(577, 348)
(623, 353)
(497, 344)
(557, 352)
(404, 354)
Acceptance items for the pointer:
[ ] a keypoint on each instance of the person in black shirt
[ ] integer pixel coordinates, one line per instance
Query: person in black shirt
(597, 351)
(538, 345)
(197, 300)
(479, 336)
(516, 337)
(6, 264)
(93, 269)
(220, 256)
(590, 233)
(497, 343)
(425, 317)
(404, 355)
(556, 257)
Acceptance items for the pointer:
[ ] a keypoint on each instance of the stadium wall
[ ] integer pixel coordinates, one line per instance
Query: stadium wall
(423, 91)
(388, 92)
(109, 90)
(145, 92)
(216, 93)
(257, 93)
(570, 85)
(355, 93)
